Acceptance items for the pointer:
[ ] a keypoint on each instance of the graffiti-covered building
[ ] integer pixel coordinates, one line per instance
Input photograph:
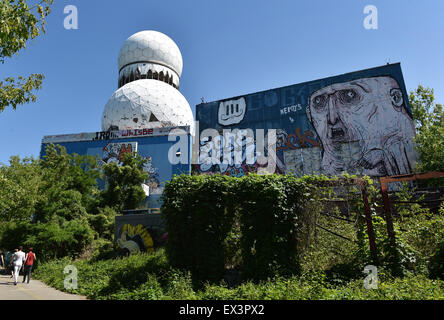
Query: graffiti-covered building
(146, 107)
(358, 122)
(151, 143)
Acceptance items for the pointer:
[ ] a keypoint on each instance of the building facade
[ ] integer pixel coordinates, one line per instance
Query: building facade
(359, 122)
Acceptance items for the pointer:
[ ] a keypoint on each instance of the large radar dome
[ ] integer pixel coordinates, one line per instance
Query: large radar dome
(150, 50)
(146, 104)
(150, 66)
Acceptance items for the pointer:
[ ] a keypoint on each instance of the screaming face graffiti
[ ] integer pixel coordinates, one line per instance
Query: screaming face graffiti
(372, 112)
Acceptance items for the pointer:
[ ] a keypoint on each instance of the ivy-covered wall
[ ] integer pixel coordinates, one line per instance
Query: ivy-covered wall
(206, 216)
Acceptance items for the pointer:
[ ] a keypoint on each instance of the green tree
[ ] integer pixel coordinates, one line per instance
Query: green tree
(69, 185)
(429, 124)
(124, 190)
(19, 23)
(19, 185)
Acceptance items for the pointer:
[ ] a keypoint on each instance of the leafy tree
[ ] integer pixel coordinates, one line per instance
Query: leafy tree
(20, 23)
(69, 185)
(50, 240)
(19, 185)
(103, 222)
(429, 123)
(124, 190)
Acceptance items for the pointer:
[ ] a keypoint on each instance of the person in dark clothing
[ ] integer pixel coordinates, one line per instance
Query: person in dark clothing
(29, 262)
(2, 261)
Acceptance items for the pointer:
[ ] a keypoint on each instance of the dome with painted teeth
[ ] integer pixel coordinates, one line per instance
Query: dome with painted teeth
(150, 55)
(150, 66)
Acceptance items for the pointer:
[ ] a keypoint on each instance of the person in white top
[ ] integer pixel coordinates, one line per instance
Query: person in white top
(17, 262)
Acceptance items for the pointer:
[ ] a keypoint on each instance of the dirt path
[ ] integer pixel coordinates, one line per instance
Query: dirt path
(35, 290)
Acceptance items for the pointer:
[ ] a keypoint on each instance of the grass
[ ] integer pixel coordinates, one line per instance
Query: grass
(149, 277)
(331, 269)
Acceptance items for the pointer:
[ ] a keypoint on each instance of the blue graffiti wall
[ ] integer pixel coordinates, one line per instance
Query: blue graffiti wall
(358, 122)
(109, 148)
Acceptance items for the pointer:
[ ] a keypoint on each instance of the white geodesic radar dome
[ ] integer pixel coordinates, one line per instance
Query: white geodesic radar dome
(146, 103)
(153, 47)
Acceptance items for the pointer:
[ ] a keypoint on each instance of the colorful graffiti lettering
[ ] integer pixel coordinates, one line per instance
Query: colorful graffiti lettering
(105, 135)
(243, 170)
(114, 152)
(137, 132)
(298, 140)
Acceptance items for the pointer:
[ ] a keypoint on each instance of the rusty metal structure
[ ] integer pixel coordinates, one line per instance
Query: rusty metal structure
(384, 181)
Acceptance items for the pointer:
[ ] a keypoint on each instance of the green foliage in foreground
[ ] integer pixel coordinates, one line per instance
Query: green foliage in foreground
(429, 124)
(21, 21)
(211, 219)
(149, 277)
(55, 206)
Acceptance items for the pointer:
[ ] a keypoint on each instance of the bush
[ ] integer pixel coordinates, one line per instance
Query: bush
(207, 216)
(273, 209)
(436, 266)
(147, 277)
(138, 276)
(198, 211)
(49, 240)
(103, 223)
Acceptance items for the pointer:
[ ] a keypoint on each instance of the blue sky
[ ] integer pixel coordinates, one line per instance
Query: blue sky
(229, 48)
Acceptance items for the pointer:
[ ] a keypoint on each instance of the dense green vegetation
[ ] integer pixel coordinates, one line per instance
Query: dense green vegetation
(150, 277)
(250, 223)
(54, 204)
(21, 21)
(429, 124)
(330, 267)
(257, 237)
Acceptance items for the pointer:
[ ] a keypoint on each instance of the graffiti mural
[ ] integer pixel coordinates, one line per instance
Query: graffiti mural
(231, 111)
(139, 232)
(232, 153)
(110, 135)
(135, 239)
(371, 111)
(296, 140)
(154, 147)
(114, 152)
(153, 180)
(359, 122)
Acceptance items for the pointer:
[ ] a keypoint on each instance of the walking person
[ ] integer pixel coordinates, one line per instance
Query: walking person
(17, 261)
(10, 262)
(2, 261)
(29, 261)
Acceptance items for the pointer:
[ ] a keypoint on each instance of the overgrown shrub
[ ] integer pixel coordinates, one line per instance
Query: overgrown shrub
(436, 265)
(49, 240)
(199, 214)
(207, 216)
(147, 277)
(273, 209)
(103, 223)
